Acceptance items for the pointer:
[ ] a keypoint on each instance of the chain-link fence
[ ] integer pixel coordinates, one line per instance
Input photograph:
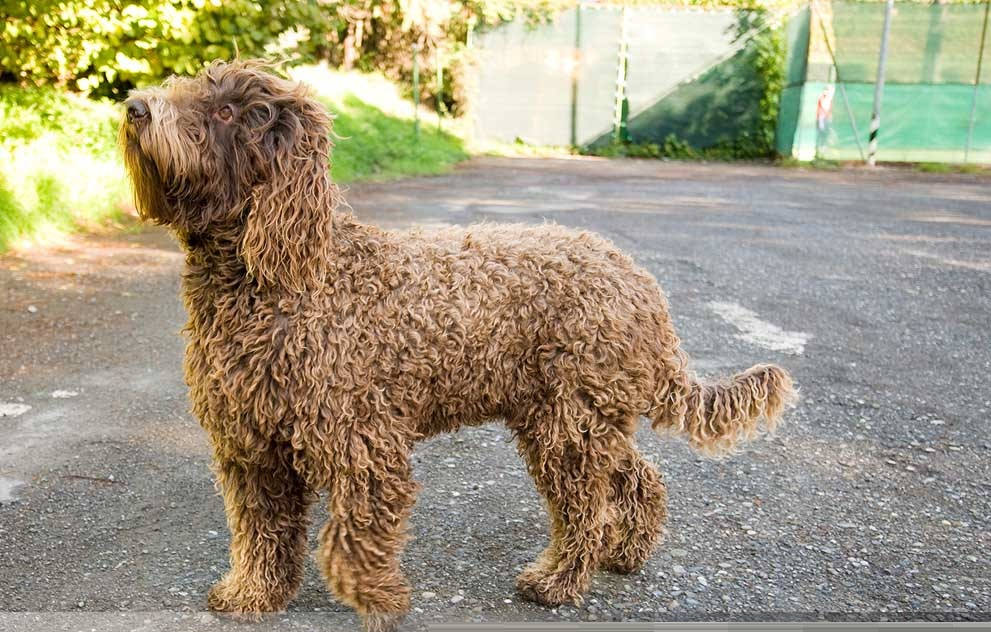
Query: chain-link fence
(691, 74)
(934, 108)
(686, 73)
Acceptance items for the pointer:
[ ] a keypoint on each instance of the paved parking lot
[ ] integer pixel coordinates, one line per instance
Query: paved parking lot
(873, 501)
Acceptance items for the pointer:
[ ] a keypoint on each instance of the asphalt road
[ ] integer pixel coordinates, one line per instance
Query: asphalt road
(873, 501)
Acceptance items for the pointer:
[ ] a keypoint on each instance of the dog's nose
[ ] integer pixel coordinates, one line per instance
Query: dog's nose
(136, 110)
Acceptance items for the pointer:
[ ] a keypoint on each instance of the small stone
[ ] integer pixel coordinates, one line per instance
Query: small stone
(678, 569)
(457, 598)
(703, 580)
(34, 310)
(678, 552)
(937, 422)
(428, 595)
(672, 604)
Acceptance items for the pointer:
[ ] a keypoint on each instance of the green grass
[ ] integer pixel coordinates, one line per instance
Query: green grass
(375, 136)
(60, 170)
(948, 167)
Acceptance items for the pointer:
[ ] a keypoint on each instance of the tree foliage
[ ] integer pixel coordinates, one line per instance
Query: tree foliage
(105, 45)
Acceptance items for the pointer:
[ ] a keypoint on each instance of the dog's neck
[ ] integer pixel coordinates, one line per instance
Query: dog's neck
(215, 261)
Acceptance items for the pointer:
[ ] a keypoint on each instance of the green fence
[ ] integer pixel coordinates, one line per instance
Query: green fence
(689, 74)
(934, 106)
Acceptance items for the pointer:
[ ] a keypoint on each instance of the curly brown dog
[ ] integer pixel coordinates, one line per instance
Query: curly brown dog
(320, 349)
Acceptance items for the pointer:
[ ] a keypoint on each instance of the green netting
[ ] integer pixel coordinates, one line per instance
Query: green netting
(919, 123)
(686, 77)
(929, 92)
(796, 31)
(690, 76)
(525, 82)
(797, 46)
(596, 81)
(935, 43)
(715, 108)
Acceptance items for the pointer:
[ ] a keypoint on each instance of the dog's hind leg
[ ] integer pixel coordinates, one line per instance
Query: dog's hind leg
(568, 450)
(365, 533)
(639, 498)
(267, 515)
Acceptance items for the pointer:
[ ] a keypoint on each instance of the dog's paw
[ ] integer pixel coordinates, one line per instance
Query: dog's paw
(382, 622)
(228, 598)
(625, 562)
(549, 589)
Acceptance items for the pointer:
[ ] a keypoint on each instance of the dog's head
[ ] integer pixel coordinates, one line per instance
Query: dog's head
(235, 149)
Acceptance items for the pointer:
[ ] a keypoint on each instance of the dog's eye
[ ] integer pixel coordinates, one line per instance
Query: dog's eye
(225, 113)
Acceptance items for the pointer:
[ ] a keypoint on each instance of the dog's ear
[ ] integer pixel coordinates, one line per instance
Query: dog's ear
(288, 226)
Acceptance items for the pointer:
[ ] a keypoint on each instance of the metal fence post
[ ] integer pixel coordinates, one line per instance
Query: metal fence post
(416, 91)
(620, 107)
(439, 88)
(576, 60)
(879, 84)
(977, 82)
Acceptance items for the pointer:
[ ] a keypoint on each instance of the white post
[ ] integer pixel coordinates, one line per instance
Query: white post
(879, 84)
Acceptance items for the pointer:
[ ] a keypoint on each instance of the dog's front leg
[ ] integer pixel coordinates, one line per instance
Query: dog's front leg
(361, 542)
(267, 515)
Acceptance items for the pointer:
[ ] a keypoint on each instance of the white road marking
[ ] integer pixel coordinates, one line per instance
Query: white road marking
(7, 487)
(8, 409)
(759, 332)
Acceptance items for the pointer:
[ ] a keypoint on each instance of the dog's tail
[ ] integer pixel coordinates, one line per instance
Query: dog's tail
(715, 417)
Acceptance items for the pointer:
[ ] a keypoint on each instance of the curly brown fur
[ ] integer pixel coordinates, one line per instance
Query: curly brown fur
(320, 349)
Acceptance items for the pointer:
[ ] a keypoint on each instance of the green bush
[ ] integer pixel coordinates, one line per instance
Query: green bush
(374, 128)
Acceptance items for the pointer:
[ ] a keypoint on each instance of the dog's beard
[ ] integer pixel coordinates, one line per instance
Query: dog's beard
(146, 180)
